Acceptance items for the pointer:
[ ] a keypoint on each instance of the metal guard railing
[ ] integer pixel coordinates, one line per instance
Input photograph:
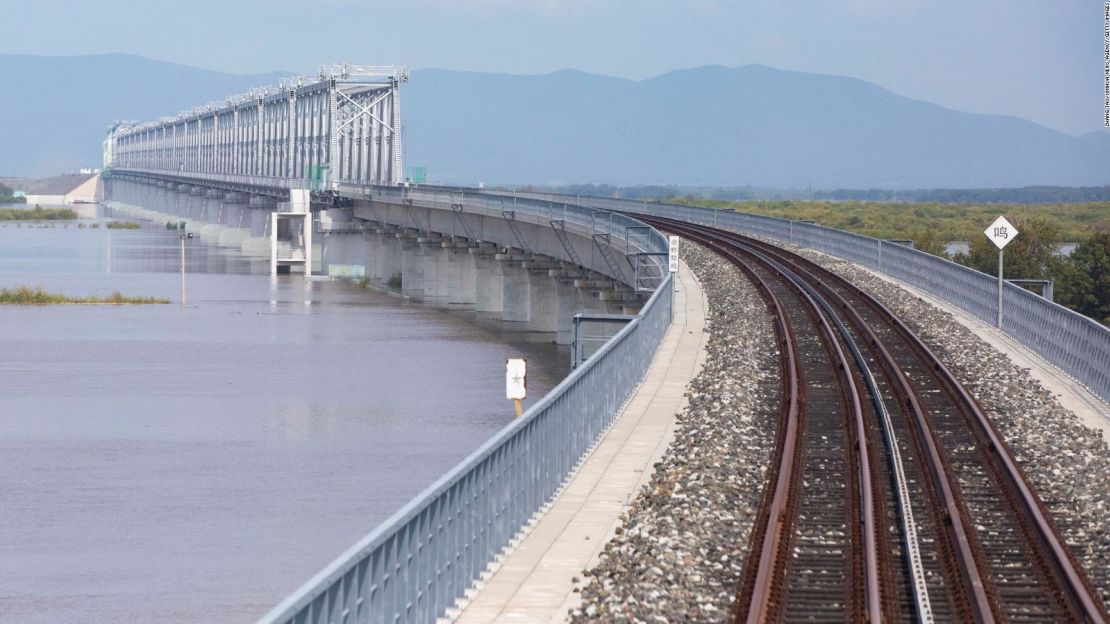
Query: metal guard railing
(1077, 345)
(416, 564)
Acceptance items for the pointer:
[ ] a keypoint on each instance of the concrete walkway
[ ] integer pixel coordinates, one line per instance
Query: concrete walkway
(533, 582)
(1090, 409)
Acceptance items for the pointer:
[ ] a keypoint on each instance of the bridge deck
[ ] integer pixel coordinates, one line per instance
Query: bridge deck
(533, 582)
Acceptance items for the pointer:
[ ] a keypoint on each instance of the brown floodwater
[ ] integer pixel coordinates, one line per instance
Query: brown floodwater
(196, 464)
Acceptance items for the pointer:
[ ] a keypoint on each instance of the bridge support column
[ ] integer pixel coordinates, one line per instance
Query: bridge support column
(488, 289)
(544, 313)
(412, 269)
(463, 278)
(516, 292)
(237, 219)
(215, 216)
(162, 212)
(258, 243)
(380, 265)
(177, 201)
(567, 300)
(194, 210)
(436, 273)
(345, 254)
(395, 260)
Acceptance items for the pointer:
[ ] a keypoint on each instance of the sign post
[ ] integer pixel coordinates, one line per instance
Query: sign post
(516, 382)
(1001, 232)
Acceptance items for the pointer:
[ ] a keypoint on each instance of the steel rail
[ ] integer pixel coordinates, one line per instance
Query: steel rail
(765, 597)
(960, 536)
(1070, 583)
(915, 568)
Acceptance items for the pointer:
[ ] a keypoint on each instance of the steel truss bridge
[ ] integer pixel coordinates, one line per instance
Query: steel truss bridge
(344, 126)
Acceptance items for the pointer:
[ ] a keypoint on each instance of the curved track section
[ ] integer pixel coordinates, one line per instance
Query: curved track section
(937, 521)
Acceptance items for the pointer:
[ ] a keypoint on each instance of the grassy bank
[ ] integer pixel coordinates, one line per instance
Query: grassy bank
(25, 295)
(122, 225)
(38, 213)
(946, 222)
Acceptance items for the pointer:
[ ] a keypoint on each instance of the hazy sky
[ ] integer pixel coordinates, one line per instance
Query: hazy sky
(1033, 58)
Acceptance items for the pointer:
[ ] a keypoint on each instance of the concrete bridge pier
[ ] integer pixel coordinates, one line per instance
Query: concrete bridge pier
(376, 260)
(389, 258)
(194, 210)
(412, 267)
(544, 306)
(163, 205)
(143, 194)
(345, 250)
(436, 274)
(488, 282)
(237, 219)
(215, 217)
(259, 210)
(184, 201)
(165, 210)
(462, 280)
(516, 290)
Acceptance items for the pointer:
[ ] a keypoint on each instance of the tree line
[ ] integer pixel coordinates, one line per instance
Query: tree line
(7, 196)
(1081, 280)
(1022, 195)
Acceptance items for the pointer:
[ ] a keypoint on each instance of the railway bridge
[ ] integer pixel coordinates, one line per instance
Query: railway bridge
(891, 495)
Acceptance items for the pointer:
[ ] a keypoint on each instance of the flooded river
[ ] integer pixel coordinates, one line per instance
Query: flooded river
(196, 464)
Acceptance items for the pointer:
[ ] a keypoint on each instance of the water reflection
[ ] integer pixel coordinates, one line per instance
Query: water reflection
(160, 463)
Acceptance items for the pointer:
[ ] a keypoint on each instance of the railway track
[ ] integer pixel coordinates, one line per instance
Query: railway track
(890, 497)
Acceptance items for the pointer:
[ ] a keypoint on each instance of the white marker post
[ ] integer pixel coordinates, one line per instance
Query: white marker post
(183, 237)
(672, 259)
(516, 382)
(1001, 232)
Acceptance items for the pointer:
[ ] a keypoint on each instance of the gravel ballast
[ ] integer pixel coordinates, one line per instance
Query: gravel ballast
(678, 553)
(1066, 462)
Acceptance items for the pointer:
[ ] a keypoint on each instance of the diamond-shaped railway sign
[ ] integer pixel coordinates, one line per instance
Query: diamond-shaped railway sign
(1001, 232)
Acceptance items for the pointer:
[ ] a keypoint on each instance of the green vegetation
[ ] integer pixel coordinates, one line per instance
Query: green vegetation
(175, 225)
(1023, 195)
(1082, 280)
(944, 222)
(1086, 280)
(7, 196)
(25, 295)
(122, 225)
(38, 213)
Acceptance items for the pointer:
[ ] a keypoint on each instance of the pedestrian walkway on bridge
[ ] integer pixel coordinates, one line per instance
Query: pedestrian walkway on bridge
(533, 582)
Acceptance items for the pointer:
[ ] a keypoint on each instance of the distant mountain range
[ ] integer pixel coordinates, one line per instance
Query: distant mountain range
(707, 126)
(54, 110)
